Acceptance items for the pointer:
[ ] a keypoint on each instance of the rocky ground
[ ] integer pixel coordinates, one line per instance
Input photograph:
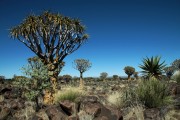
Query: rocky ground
(92, 106)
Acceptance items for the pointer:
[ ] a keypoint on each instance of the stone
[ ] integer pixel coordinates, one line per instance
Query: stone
(56, 113)
(92, 109)
(4, 112)
(68, 107)
(41, 115)
(73, 118)
(152, 113)
(92, 106)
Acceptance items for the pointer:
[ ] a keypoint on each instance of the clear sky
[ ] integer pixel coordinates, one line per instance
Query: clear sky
(122, 32)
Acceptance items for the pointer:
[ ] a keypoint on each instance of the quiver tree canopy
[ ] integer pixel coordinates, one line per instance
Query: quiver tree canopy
(50, 36)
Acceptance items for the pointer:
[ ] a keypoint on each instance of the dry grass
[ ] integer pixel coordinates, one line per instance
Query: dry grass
(172, 115)
(69, 93)
(116, 99)
(136, 112)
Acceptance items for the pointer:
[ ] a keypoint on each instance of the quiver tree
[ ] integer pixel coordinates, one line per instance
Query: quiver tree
(176, 64)
(169, 71)
(135, 74)
(115, 77)
(51, 37)
(103, 75)
(81, 65)
(129, 71)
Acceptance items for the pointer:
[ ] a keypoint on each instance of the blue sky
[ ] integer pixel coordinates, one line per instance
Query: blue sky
(122, 32)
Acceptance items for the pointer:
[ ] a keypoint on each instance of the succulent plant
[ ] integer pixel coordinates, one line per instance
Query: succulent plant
(152, 67)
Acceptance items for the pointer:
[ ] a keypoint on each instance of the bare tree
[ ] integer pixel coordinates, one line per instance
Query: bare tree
(82, 65)
(51, 37)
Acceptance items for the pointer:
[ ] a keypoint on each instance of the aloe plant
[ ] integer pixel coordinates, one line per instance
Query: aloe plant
(152, 67)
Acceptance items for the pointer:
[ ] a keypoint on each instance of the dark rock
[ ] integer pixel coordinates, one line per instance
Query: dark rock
(92, 99)
(4, 112)
(56, 113)
(152, 113)
(68, 107)
(92, 106)
(73, 118)
(41, 115)
(92, 109)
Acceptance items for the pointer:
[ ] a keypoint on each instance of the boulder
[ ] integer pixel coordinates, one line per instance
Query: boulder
(41, 115)
(152, 113)
(56, 113)
(4, 112)
(68, 107)
(92, 106)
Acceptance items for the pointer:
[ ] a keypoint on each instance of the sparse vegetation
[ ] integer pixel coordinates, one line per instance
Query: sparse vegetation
(69, 93)
(153, 93)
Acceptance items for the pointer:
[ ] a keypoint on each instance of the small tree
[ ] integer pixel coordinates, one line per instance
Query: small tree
(115, 77)
(136, 75)
(34, 86)
(129, 71)
(169, 71)
(103, 75)
(2, 78)
(176, 64)
(67, 78)
(82, 65)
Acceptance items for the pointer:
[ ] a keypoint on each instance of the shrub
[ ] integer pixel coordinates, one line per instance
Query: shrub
(116, 100)
(68, 94)
(153, 93)
(176, 77)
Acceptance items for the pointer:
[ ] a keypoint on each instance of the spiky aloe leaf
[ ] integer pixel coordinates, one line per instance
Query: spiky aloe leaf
(152, 67)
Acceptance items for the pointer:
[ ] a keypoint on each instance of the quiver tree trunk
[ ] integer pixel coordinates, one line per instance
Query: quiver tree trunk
(53, 74)
(53, 71)
(81, 84)
(129, 77)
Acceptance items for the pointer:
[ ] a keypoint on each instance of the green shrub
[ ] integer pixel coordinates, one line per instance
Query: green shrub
(153, 93)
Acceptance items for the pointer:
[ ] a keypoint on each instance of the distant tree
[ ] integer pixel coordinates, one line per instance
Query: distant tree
(60, 78)
(129, 71)
(176, 64)
(115, 77)
(169, 71)
(136, 75)
(51, 37)
(103, 75)
(82, 65)
(152, 67)
(2, 78)
(67, 78)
